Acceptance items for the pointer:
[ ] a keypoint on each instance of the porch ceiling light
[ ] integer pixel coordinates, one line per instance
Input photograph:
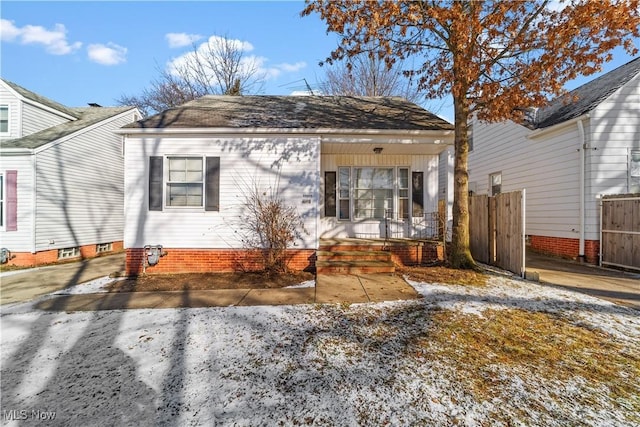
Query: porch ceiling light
(377, 150)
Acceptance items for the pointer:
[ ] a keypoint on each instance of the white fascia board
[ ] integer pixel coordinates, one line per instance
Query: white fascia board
(545, 131)
(81, 131)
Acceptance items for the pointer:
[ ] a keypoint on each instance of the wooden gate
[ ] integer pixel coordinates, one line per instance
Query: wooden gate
(620, 231)
(497, 230)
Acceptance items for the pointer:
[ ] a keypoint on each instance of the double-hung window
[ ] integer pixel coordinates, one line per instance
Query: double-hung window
(4, 119)
(184, 182)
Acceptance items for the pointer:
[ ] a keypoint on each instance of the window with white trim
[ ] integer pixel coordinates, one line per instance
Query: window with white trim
(634, 171)
(67, 253)
(344, 187)
(373, 192)
(184, 182)
(4, 119)
(104, 247)
(403, 193)
(495, 183)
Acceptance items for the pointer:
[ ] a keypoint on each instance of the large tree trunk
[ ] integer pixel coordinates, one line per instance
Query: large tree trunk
(460, 250)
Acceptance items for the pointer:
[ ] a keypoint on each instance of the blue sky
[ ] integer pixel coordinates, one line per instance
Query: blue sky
(80, 52)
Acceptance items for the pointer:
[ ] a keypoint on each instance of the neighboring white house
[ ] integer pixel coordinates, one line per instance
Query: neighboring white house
(349, 164)
(582, 146)
(61, 177)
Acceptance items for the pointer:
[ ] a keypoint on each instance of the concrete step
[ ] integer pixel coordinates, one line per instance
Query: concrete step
(353, 256)
(354, 267)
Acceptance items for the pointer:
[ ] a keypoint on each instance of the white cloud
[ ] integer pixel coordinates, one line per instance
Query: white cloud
(54, 41)
(216, 44)
(292, 68)
(250, 63)
(109, 54)
(181, 39)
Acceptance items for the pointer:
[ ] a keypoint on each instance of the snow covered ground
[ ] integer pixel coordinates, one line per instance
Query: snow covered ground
(334, 365)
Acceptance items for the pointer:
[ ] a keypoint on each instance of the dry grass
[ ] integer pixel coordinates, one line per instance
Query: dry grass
(204, 281)
(443, 274)
(535, 346)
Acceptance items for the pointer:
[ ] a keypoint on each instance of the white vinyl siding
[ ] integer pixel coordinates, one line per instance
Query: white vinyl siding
(13, 109)
(614, 130)
(547, 167)
(81, 188)
(20, 240)
(285, 165)
(35, 119)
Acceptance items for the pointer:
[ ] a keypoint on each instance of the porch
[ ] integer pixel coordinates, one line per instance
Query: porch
(374, 255)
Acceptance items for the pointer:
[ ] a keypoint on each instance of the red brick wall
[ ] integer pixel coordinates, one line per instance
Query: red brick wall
(566, 248)
(206, 260)
(401, 254)
(28, 259)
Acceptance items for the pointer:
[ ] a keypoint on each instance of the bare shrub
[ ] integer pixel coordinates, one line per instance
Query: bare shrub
(270, 226)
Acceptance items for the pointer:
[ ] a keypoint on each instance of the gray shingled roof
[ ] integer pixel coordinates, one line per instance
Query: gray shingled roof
(39, 99)
(297, 112)
(87, 116)
(589, 95)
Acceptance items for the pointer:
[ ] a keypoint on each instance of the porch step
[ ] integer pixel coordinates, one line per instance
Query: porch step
(351, 259)
(347, 255)
(354, 267)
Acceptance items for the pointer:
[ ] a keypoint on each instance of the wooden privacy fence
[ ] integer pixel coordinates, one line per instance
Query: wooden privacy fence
(496, 230)
(620, 231)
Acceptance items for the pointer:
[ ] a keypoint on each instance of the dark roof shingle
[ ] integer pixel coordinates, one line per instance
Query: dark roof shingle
(587, 96)
(39, 99)
(297, 112)
(87, 116)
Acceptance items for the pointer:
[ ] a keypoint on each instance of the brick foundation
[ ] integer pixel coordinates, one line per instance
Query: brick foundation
(28, 259)
(208, 260)
(566, 248)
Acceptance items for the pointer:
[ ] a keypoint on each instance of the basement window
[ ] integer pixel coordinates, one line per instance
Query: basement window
(104, 247)
(67, 253)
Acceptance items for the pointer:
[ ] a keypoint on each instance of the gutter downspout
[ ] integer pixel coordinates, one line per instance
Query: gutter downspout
(582, 150)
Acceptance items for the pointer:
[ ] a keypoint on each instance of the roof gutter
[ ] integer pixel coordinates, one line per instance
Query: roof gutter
(294, 131)
(544, 131)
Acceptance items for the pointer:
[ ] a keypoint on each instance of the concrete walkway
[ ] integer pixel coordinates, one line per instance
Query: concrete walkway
(613, 285)
(24, 285)
(328, 289)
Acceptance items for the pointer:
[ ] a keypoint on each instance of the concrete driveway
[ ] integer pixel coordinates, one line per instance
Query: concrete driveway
(613, 285)
(24, 285)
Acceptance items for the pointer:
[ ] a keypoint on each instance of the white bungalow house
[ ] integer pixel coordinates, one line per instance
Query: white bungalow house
(359, 167)
(567, 156)
(61, 178)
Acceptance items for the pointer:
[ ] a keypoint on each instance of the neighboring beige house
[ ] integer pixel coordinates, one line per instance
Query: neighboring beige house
(61, 177)
(354, 167)
(567, 156)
